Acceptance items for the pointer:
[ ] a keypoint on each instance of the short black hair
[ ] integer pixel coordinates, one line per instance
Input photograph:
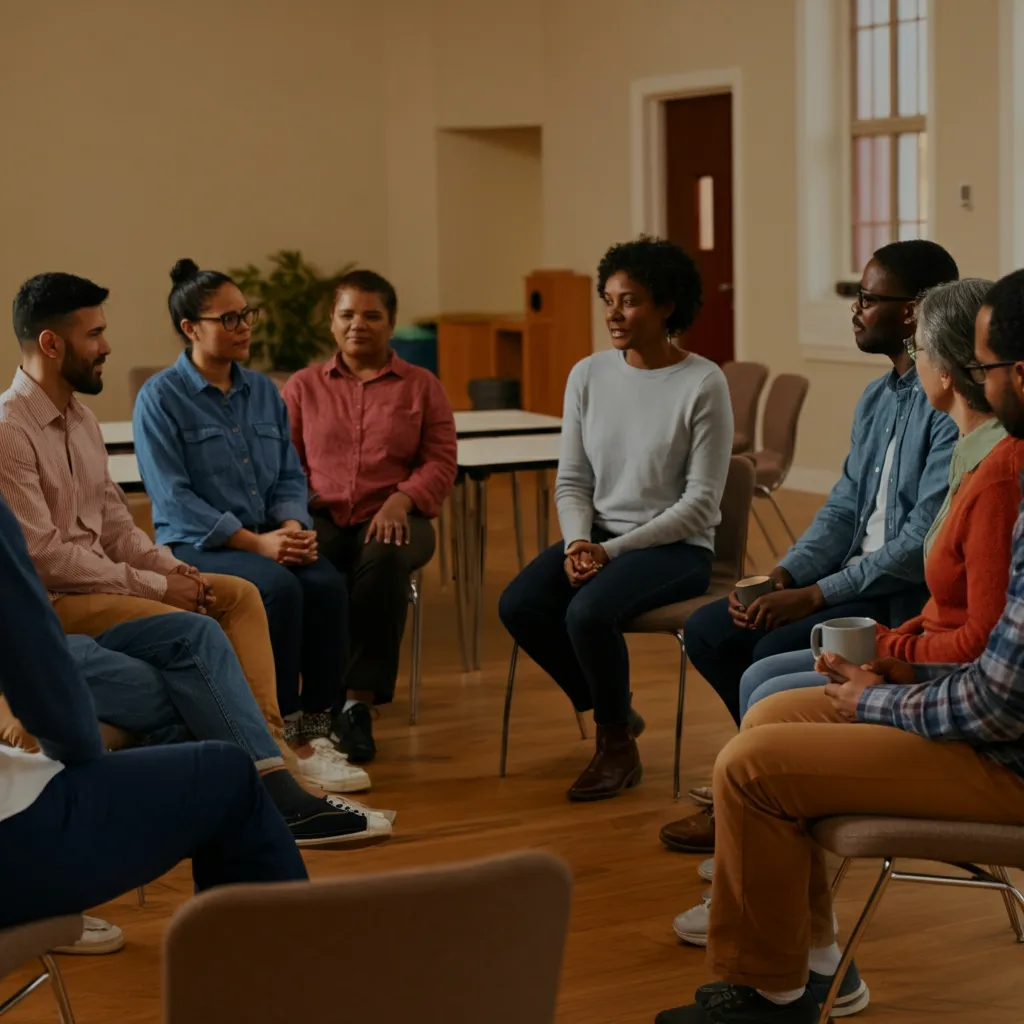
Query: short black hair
(373, 284)
(45, 300)
(918, 263)
(191, 289)
(1006, 327)
(664, 269)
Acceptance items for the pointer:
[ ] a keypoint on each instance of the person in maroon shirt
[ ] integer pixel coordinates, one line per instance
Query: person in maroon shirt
(376, 437)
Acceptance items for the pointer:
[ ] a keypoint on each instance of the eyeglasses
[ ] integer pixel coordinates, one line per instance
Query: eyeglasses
(868, 299)
(232, 321)
(977, 371)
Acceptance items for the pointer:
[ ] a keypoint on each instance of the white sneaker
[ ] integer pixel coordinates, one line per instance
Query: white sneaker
(706, 869)
(98, 938)
(331, 772)
(692, 925)
(328, 749)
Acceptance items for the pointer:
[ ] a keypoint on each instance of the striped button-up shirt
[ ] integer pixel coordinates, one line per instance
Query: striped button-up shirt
(981, 703)
(54, 476)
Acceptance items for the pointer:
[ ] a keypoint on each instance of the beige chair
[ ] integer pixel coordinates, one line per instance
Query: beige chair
(456, 944)
(138, 375)
(34, 941)
(746, 382)
(957, 843)
(730, 556)
(778, 435)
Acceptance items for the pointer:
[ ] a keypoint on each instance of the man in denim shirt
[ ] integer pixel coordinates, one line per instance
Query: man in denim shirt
(863, 554)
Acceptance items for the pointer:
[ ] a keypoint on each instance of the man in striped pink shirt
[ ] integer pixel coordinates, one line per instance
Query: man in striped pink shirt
(98, 566)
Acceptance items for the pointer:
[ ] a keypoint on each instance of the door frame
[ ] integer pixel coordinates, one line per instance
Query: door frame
(647, 164)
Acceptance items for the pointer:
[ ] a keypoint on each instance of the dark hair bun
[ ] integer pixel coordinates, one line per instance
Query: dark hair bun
(183, 270)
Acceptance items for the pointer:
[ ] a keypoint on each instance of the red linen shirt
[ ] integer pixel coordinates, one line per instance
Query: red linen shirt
(360, 441)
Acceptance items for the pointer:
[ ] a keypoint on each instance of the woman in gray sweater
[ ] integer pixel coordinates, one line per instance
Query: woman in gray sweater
(646, 441)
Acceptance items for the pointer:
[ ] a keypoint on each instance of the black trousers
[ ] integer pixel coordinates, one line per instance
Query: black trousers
(378, 596)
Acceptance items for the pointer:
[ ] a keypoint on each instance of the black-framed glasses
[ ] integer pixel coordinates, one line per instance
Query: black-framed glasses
(232, 321)
(977, 371)
(868, 299)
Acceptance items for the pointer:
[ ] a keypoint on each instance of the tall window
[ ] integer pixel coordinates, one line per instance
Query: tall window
(890, 104)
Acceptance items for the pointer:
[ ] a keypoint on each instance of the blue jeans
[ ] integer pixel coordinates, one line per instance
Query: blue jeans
(307, 612)
(170, 678)
(793, 670)
(102, 828)
(575, 635)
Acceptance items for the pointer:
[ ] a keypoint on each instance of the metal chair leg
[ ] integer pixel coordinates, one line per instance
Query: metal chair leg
(60, 993)
(508, 708)
(517, 518)
(24, 992)
(1011, 897)
(855, 936)
(679, 715)
(582, 723)
(460, 560)
(142, 895)
(442, 548)
(840, 875)
(416, 640)
(543, 508)
(778, 511)
(764, 532)
(479, 566)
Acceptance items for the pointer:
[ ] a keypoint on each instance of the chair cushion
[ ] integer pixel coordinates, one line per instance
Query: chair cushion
(951, 842)
(672, 618)
(25, 942)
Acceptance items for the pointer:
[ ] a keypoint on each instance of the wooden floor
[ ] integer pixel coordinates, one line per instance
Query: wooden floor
(933, 954)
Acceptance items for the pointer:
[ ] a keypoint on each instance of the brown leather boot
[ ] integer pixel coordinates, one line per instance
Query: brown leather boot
(614, 767)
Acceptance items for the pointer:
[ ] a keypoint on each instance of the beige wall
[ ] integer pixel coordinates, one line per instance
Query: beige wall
(224, 130)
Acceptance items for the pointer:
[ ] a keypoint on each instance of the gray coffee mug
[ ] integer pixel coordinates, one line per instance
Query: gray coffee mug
(748, 590)
(853, 639)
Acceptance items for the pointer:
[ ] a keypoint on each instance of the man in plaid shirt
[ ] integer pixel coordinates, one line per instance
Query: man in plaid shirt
(890, 739)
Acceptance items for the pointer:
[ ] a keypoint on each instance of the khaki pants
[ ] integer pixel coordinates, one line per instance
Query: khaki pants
(237, 607)
(795, 760)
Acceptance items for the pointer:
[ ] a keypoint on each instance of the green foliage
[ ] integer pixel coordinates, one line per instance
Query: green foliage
(294, 326)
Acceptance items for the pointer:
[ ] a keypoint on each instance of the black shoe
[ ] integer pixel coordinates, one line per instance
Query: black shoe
(352, 733)
(853, 996)
(335, 820)
(737, 1004)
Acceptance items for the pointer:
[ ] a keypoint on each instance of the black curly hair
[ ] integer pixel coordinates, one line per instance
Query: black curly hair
(664, 269)
(1006, 328)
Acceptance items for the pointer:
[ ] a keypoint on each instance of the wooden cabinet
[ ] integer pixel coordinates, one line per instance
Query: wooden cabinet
(471, 346)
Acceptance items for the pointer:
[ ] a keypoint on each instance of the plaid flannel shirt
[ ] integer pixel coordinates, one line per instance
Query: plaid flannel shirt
(981, 703)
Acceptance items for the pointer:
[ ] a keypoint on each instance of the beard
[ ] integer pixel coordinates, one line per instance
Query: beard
(1009, 410)
(81, 373)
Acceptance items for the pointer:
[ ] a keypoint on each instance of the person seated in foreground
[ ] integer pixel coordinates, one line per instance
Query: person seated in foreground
(967, 549)
(376, 437)
(646, 442)
(862, 555)
(171, 678)
(98, 566)
(932, 741)
(229, 496)
(79, 826)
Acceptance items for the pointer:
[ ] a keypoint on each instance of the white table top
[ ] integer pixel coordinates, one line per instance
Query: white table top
(117, 433)
(496, 422)
(124, 470)
(523, 451)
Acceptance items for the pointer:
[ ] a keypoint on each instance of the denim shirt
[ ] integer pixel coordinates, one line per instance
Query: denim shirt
(213, 463)
(891, 408)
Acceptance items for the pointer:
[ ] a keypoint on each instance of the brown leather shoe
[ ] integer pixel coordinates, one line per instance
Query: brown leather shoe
(614, 767)
(695, 834)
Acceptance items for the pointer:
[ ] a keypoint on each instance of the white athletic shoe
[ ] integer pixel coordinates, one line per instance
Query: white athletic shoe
(692, 925)
(706, 869)
(98, 938)
(329, 770)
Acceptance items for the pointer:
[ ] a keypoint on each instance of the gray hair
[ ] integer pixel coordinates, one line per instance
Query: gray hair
(945, 331)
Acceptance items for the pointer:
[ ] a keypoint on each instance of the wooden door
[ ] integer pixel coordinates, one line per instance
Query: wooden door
(698, 210)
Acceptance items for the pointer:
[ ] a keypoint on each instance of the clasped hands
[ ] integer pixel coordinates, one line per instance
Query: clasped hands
(188, 590)
(847, 683)
(289, 544)
(786, 604)
(583, 561)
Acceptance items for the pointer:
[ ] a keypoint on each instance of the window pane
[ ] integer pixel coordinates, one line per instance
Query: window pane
(862, 176)
(883, 235)
(865, 9)
(906, 10)
(880, 72)
(907, 73)
(922, 9)
(881, 185)
(922, 178)
(881, 12)
(908, 177)
(908, 230)
(922, 66)
(863, 246)
(865, 108)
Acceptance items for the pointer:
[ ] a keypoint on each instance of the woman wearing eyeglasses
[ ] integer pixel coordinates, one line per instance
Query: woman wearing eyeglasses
(229, 495)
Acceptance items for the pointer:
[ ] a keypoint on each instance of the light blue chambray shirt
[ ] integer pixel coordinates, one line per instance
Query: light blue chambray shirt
(891, 408)
(213, 463)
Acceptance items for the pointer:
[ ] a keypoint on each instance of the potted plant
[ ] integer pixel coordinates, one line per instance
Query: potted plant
(294, 326)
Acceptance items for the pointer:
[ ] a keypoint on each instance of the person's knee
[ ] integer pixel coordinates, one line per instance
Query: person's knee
(325, 584)
(199, 630)
(224, 767)
(747, 757)
(775, 709)
(708, 627)
(588, 612)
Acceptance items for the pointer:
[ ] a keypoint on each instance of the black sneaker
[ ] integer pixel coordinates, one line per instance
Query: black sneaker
(338, 821)
(352, 733)
(853, 997)
(737, 1004)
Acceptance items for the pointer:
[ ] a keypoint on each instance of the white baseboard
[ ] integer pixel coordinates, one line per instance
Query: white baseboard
(811, 481)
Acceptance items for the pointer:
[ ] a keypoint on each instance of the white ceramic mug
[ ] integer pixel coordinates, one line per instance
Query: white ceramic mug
(853, 639)
(748, 590)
